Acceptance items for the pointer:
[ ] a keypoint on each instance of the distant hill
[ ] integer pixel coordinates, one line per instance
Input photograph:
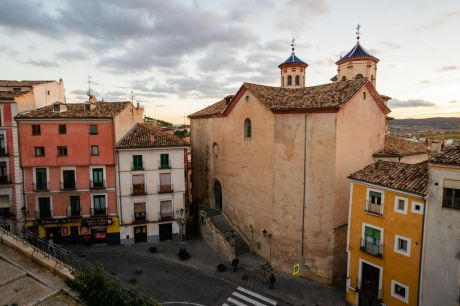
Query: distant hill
(436, 122)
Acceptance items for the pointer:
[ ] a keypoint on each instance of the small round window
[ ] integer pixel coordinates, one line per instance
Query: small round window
(215, 149)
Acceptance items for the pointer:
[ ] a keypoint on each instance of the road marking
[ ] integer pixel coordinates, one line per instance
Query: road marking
(260, 297)
(236, 302)
(247, 299)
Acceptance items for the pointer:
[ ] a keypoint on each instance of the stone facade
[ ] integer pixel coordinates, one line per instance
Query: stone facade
(289, 178)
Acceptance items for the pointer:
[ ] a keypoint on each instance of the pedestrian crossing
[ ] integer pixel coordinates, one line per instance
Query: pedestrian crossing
(244, 297)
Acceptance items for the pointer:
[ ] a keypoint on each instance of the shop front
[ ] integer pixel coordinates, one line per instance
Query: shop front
(104, 230)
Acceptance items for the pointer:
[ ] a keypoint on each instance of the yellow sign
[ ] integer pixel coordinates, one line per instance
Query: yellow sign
(296, 270)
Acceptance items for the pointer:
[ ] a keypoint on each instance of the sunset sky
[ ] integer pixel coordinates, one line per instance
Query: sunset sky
(180, 56)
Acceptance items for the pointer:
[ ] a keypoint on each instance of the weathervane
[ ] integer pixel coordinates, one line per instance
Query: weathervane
(357, 31)
(293, 44)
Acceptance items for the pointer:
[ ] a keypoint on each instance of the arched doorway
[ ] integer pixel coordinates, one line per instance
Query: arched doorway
(218, 195)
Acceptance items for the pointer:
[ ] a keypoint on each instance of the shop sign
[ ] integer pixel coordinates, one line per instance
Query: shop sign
(96, 221)
(52, 221)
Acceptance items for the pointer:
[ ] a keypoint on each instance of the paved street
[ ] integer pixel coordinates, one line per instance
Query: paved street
(196, 281)
(169, 282)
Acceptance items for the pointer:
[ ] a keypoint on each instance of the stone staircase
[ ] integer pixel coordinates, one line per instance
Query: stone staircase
(221, 223)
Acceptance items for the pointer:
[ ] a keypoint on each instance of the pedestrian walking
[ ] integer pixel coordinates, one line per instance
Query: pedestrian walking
(272, 281)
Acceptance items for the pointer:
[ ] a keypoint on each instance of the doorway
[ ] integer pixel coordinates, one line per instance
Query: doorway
(218, 195)
(140, 234)
(165, 231)
(369, 288)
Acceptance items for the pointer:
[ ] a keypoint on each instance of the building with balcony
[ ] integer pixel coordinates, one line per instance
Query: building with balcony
(16, 97)
(441, 257)
(385, 233)
(68, 161)
(152, 180)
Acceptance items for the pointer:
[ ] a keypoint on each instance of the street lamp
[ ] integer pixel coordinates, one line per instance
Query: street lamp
(268, 235)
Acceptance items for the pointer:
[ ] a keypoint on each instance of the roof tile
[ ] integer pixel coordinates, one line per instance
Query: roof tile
(103, 110)
(411, 178)
(148, 136)
(395, 146)
(14, 83)
(450, 157)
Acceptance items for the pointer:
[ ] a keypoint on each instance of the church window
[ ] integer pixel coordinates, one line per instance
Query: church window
(344, 78)
(372, 77)
(364, 95)
(297, 80)
(247, 128)
(289, 80)
(359, 76)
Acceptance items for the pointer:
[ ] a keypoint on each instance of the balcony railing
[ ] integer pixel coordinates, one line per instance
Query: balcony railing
(5, 179)
(374, 208)
(371, 290)
(140, 217)
(165, 188)
(138, 189)
(42, 214)
(67, 186)
(135, 167)
(3, 151)
(98, 211)
(166, 215)
(371, 247)
(40, 186)
(164, 165)
(73, 213)
(97, 184)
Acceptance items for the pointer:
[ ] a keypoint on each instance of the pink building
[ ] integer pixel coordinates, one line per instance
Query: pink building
(16, 97)
(67, 154)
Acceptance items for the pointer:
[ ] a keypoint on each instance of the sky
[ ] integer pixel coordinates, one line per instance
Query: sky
(177, 57)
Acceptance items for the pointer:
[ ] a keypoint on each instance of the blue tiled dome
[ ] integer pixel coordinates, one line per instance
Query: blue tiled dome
(293, 59)
(356, 52)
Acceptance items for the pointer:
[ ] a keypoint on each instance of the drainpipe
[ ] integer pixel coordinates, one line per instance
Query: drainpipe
(304, 186)
(422, 255)
(117, 165)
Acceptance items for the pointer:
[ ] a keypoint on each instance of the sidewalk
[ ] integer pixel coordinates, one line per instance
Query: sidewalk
(292, 290)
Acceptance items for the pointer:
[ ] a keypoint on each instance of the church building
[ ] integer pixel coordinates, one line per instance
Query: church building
(274, 161)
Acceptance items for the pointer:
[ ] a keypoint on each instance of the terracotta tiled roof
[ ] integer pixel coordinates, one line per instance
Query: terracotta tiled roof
(217, 108)
(148, 136)
(13, 83)
(450, 157)
(10, 95)
(405, 177)
(327, 96)
(77, 111)
(398, 147)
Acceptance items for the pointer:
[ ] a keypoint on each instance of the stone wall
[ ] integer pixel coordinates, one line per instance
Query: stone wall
(224, 244)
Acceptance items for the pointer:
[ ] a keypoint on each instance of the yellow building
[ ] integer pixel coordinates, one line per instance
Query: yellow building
(384, 239)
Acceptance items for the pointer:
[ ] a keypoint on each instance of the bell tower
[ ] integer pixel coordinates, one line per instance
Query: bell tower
(293, 70)
(357, 63)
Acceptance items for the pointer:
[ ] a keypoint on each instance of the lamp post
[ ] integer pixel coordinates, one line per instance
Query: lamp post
(268, 235)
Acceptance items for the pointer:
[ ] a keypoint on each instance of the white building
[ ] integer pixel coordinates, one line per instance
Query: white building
(151, 181)
(440, 273)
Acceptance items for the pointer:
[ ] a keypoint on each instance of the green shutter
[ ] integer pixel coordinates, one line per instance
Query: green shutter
(372, 232)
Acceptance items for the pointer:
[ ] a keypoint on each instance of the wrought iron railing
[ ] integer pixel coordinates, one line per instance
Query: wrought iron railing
(371, 247)
(165, 188)
(365, 287)
(374, 208)
(62, 256)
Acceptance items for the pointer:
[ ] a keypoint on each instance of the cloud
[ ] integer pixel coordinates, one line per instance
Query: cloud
(448, 68)
(391, 45)
(453, 101)
(160, 105)
(40, 63)
(439, 21)
(72, 55)
(395, 103)
(424, 82)
(295, 14)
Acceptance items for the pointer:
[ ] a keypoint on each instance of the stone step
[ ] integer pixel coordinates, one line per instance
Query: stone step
(223, 226)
